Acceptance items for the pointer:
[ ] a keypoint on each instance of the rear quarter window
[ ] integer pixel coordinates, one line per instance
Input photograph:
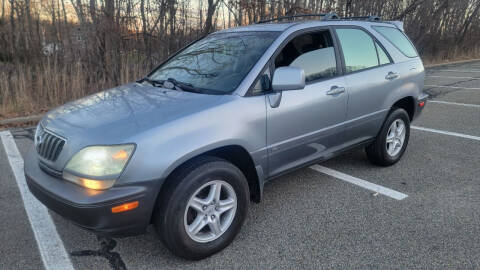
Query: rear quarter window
(398, 39)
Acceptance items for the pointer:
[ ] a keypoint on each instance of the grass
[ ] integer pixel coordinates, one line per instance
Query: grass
(27, 90)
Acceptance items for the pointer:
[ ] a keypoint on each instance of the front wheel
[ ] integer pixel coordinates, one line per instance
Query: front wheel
(202, 208)
(391, 142)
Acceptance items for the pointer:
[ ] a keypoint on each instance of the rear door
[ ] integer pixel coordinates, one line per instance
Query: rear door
(307, 123)
(370, 76)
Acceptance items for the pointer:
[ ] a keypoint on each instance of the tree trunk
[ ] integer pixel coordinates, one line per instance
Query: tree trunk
(111, 67)
(212, 6)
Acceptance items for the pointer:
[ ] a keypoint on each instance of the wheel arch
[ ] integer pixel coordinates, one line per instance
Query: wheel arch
(235, 154)
(408, 104)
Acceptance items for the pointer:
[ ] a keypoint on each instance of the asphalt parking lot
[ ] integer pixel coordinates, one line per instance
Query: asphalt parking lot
(347, 218)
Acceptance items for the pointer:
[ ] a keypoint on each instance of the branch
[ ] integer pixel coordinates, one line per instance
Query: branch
(230, 9)
(409, 9)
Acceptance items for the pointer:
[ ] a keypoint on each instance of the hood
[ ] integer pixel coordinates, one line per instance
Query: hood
(121, 112)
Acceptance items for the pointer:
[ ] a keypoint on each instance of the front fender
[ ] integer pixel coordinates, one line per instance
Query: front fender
(164, 148)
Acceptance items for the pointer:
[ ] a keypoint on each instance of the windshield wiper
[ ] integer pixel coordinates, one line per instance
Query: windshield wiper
(153, 82)
(184, 86)
(174, 84)
(181, 86)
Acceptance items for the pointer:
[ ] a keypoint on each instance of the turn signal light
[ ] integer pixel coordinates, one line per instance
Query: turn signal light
(125, 207)
(122, 155)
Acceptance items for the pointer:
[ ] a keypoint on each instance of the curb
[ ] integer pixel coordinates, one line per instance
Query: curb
(451, 63)
(21, 120)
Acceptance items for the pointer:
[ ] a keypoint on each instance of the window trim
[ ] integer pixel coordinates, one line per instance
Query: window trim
(344, 67)
(391, 42)
(271, 61)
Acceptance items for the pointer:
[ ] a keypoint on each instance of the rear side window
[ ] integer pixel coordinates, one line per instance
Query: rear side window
(398, 39)
(358, 48)
(312, 52)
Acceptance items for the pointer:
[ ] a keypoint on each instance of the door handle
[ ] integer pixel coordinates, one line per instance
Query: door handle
(391, 76)
(335, 90)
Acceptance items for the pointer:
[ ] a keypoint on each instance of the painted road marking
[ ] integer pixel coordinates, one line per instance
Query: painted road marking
(455, 87)
(359, 182)
(452, 77)
(454, 103)
(52, 251)
(461, 135)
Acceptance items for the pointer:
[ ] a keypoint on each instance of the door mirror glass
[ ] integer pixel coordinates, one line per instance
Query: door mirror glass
(288, 78)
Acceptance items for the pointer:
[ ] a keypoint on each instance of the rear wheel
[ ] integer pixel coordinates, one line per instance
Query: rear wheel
(391, 142)
(202, 208)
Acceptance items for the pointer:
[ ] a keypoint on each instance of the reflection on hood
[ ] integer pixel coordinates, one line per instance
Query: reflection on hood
(125, 109)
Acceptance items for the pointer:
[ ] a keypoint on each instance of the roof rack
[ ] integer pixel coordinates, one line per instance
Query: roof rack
(325, 16)
(372, 18)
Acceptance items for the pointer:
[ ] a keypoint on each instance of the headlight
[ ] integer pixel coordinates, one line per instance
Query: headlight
(37, 133)
(97, 167)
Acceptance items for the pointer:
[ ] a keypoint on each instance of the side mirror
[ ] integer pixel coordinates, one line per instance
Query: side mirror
(288, 78)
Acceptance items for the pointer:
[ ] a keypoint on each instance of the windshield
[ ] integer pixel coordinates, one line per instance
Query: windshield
(218, 62)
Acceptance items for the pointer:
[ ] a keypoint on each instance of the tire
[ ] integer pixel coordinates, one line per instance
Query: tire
(383, 154)
(194, 182)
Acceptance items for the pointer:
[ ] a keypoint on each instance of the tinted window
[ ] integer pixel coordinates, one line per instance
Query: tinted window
(312, 52)
(382, 55)
(217, 62)
(397, 38)
(358, 49)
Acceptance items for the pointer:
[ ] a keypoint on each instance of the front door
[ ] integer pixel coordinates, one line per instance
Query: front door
(307, 123)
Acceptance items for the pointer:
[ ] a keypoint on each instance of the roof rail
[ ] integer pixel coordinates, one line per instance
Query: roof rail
(372, 18)
(325, 16)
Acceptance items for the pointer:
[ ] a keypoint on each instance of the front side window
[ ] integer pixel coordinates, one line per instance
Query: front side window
(217, 62)
(312, 52)
(358, 48)
(398, 39)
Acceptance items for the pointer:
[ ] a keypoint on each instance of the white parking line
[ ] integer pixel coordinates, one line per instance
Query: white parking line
(52, 251)
(452, 77)
(454, 87)
(454, 103)
(461, 135)
(359, 182)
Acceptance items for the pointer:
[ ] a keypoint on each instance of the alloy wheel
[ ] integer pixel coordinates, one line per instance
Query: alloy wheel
(395, 137)
(210, 211)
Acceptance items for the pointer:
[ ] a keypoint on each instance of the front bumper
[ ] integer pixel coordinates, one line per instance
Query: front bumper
(91, 209)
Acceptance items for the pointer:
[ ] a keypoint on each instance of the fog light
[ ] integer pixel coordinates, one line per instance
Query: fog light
(125, 207)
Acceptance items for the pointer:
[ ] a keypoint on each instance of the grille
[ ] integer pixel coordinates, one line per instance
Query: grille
(47, 144)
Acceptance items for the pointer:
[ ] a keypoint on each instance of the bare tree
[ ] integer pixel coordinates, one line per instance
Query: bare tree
(58, 50)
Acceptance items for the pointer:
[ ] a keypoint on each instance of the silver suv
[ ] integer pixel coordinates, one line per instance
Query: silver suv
(187, 147)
